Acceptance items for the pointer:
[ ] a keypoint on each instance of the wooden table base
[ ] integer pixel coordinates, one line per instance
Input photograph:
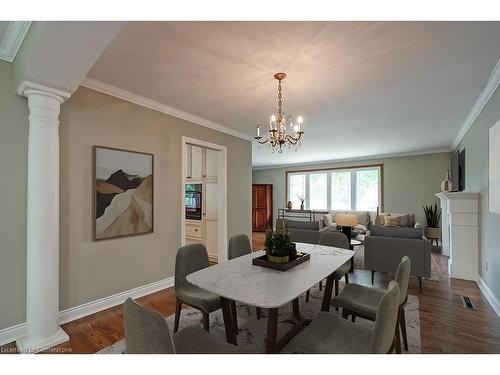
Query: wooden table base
(273, 345)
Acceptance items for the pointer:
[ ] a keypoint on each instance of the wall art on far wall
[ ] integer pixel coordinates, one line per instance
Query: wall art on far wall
(494, 168)
(123, 193)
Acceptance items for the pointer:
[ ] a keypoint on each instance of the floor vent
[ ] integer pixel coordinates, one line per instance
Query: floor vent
(468, 303)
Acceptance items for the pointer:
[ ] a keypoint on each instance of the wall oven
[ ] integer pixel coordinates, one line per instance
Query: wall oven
(193, 202)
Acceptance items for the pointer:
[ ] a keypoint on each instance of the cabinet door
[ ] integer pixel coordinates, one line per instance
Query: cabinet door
(211, 199)
(196, 162)
(211, 163)
(211, 237)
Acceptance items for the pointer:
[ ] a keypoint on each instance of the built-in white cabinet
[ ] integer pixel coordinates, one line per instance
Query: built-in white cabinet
(202, 164)
(211, 164)
(202, 167)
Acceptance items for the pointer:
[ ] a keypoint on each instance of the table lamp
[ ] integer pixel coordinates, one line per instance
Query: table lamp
(346, 221)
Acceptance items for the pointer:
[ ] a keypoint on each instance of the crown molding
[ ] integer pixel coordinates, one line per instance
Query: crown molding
(117, 92)
(356, 159)
(479, 104)
(16, 31)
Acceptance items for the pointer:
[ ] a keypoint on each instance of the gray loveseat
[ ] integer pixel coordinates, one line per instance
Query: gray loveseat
(303, 231)
(385, 246)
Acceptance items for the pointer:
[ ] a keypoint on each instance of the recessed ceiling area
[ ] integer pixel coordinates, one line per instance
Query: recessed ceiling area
(363, 88)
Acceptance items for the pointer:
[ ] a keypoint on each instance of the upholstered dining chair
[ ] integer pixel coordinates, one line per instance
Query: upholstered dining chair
(146, 332)
(335, 239)
(189, 259)
(328, 333)
(359, 300)
(239, 245)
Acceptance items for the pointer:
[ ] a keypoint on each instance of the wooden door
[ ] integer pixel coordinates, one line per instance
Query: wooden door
(262, 207)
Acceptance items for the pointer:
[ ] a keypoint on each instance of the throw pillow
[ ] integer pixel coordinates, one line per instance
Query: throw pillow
(391, 221)
(404, 220)
(327, 220)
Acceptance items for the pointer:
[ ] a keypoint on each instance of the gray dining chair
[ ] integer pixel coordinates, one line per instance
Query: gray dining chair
(238, 246)
(189, 259)
(362, 301)
(335, 239)
(328, 333)
(146, 332)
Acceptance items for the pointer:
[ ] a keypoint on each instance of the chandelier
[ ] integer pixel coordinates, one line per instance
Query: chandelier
(278, 136)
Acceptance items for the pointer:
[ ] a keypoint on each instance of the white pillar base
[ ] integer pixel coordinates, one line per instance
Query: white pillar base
(29, 346)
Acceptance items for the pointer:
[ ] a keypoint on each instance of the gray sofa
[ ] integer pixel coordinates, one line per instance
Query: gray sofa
(385, 246)
(303, 231)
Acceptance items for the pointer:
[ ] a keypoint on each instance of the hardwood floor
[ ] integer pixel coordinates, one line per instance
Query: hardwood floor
(446, 326)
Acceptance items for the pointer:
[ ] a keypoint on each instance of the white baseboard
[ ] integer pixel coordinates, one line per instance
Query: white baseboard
(92, 307)
(494, 302)
(16, 332)
(13, 333)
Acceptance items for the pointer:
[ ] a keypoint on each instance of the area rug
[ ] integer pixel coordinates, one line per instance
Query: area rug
(252, 332)
(359, 263)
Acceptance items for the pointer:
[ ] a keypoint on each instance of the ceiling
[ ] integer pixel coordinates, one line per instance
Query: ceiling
(363, 88)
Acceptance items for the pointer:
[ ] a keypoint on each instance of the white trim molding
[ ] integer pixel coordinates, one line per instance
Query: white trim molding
(26, 87)
(128, 96)
(480, 103)
(494, 302)
(93, 307)
(16, 332)
(16, 31)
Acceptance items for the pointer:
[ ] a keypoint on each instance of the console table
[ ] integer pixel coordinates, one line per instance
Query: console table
(310, 215)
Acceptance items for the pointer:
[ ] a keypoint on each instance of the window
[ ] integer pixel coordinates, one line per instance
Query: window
(317, 192)
(350, 189)
(296, 189)
(367, 190)
(341, 191)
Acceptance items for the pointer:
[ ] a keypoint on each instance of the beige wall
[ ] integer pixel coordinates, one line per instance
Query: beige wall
(92, 270)
(13, 188)
(409, 182)
(476, 148)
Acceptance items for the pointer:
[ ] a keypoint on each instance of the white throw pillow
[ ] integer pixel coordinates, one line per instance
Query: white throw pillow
(327, 220)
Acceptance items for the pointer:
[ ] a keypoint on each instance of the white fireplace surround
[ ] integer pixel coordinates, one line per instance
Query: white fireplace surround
(460, 233)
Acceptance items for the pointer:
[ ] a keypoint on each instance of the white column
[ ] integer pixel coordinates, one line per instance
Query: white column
(42, 294)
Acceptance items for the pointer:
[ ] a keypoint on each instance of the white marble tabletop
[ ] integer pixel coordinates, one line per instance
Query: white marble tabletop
(239, 280)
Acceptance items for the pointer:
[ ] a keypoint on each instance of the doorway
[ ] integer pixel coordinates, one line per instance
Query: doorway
(204, 170)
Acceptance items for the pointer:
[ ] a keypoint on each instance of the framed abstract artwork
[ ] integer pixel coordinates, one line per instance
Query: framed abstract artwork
(123, 193)
(494, 168)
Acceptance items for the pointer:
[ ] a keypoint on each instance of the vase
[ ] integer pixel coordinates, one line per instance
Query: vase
(447, 184)
(289, 205)
(279, 260)
(302, 206)
(431, 232)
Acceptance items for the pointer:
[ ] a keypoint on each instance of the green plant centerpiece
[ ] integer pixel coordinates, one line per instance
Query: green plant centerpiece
(279, 248)
(432, 217)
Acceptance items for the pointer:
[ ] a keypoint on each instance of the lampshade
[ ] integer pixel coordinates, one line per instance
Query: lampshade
(346, 219)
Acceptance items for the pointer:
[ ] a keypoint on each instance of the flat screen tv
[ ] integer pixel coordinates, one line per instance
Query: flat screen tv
(458, 170)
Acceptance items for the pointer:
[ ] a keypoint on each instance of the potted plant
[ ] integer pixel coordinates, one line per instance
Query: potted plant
(279, 247)
(432, 216)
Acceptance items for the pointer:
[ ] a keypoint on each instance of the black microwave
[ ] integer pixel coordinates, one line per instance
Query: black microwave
(193, 201)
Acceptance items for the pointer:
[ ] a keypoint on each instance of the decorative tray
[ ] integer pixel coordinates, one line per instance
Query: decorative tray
(263, 262)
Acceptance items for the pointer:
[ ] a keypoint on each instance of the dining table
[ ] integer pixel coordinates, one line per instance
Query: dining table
(238, 280)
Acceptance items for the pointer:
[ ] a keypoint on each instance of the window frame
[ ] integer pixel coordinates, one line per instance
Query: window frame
(328, 171)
